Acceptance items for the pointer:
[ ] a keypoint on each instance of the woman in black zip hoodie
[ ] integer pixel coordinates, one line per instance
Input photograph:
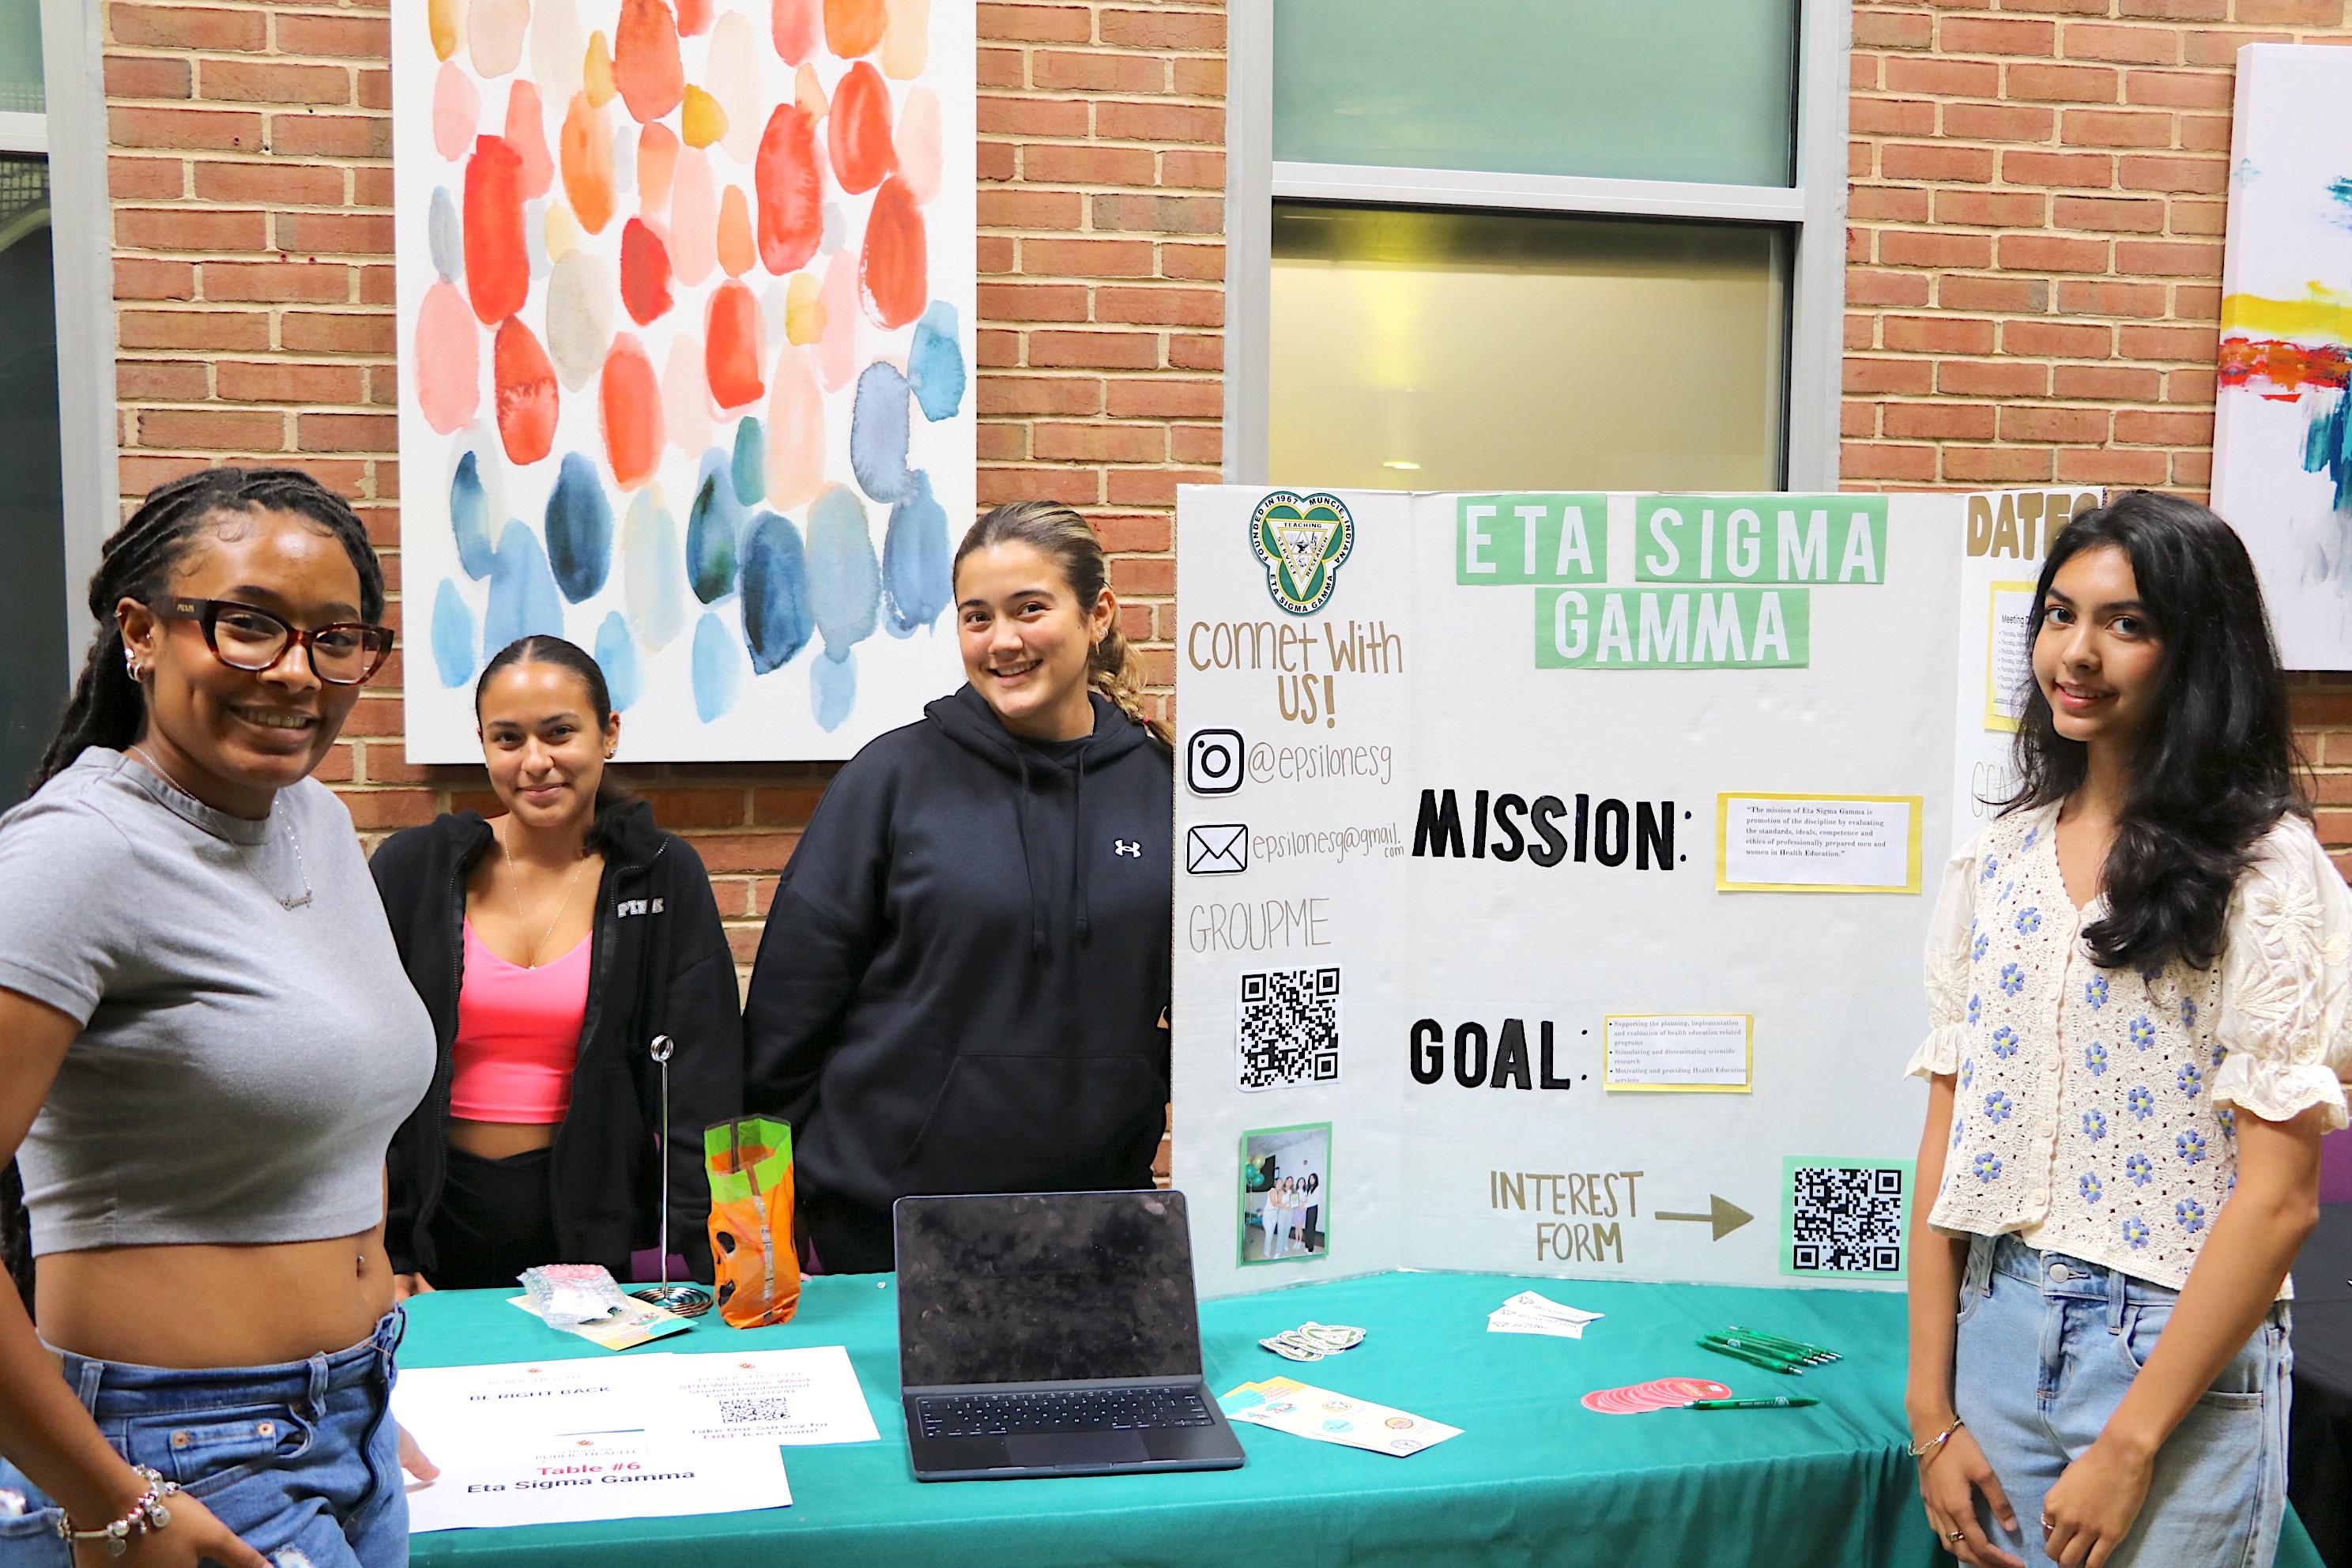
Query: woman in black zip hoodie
(963, 981)
(548, 986)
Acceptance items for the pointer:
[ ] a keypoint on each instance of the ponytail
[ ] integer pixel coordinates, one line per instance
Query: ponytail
(1112, 669)
(1062, 536)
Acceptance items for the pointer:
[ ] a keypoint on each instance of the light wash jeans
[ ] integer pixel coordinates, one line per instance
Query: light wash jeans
(300, 1460)
(2049, 1344)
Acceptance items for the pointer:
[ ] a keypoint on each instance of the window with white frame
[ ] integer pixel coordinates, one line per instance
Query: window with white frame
(33, 676)
(1577, 244)
(57, 451)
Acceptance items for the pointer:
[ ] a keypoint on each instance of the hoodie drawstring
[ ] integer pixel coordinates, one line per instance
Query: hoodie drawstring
(1078, 848)
(1036, 909)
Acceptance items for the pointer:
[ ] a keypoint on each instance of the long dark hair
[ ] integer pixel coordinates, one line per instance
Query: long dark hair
(540, 649)
(109, 709)
(1063, 537)
(2218, 767)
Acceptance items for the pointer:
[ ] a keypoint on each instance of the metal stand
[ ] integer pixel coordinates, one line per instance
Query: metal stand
(685, 1301)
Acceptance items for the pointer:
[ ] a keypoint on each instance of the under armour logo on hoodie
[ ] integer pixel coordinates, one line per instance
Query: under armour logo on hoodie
(1132, 847)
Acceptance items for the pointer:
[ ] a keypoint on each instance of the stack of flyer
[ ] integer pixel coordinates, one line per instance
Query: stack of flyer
(1528, 1313)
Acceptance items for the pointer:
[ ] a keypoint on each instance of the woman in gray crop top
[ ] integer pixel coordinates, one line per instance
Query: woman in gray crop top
(205, 1042)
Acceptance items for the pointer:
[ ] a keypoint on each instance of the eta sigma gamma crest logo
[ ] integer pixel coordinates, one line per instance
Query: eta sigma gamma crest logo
(1302, 540)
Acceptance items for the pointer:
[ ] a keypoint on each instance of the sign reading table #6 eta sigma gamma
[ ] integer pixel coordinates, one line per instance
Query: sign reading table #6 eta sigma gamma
(1555, 859)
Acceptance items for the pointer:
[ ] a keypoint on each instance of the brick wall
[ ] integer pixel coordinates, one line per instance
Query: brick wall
(2033, 281)
(252, 188)
(2034, 288)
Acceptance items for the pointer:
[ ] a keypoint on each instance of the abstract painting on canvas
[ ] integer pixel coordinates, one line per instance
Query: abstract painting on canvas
(684, 293)
(2281, 450)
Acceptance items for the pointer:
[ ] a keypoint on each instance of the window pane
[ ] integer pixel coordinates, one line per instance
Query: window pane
(1635, 89)
(32, 590)
(20, 58)
(1417, 349)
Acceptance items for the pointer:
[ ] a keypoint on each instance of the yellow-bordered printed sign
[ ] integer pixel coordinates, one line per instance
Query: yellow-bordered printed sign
(2003, 709)
(1774, 842)
(1656, 1040)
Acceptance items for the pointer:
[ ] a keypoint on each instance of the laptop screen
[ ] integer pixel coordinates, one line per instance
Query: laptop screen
(1045, 1287)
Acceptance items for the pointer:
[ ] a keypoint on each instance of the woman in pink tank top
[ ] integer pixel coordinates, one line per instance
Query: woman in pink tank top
(554, 944)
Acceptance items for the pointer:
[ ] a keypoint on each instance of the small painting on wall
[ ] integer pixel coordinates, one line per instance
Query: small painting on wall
(2282, 449)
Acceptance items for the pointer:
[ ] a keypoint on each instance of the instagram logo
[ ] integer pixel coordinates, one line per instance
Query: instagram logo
(1212, 762)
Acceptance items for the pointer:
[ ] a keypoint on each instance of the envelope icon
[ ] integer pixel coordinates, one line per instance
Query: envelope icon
(1216, 849)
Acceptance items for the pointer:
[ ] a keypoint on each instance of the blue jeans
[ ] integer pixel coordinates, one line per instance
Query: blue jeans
(301, 1460)
(2048, 1346)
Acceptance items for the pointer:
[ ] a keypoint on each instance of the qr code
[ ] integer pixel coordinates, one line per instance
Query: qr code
(744, 1412)
(1845, 1220)
(1289, 1031)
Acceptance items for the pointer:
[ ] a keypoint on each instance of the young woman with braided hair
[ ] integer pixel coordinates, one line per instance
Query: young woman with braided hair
(963, 980)
(205, 1042)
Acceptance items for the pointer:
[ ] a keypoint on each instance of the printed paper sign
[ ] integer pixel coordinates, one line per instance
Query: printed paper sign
(1817, 843)
(1698, 1052)
(548, 1442)
(2008, 654)
(602, 1477)
(802, 1397)
(1299, 1408)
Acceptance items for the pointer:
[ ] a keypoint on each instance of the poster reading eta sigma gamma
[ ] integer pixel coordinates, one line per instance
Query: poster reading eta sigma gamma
(685, 311)
(1556, 870)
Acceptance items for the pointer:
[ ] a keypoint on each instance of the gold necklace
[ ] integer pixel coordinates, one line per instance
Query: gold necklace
(562, 904)
(244, 851)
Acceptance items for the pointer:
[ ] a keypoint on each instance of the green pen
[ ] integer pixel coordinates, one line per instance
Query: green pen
(1751, 1357)
(1805, 1345)
(1801, 1347)
(1770, 1353)
(1784, 1402)
(1797, 1346)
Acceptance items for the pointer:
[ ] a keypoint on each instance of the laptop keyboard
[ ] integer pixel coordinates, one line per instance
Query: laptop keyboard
(1061, 1410)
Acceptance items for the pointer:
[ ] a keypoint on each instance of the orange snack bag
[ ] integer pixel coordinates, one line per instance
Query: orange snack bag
(750, 1165)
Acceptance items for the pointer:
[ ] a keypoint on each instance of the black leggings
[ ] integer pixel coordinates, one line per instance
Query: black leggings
(494, 1221)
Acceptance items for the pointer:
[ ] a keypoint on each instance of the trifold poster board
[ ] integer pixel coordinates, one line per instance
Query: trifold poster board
(1555, 868)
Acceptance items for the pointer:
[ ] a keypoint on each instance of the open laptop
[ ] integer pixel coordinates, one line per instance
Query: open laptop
(1053, 1334)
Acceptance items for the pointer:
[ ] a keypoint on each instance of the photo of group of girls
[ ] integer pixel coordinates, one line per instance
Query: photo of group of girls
(1282, 1198)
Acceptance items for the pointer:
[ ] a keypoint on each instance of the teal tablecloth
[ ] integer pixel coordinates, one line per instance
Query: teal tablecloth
(1535, 1479)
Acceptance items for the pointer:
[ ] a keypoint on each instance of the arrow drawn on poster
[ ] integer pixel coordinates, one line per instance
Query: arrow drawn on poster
(1724, 1215)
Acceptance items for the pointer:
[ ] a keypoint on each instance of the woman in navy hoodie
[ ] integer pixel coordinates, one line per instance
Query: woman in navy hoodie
(964, 977)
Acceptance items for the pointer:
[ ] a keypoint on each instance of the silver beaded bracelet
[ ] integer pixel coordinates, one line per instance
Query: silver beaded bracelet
(147, 1515)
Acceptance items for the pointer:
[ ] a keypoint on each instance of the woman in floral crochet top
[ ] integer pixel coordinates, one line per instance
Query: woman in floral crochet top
(2137, 979)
